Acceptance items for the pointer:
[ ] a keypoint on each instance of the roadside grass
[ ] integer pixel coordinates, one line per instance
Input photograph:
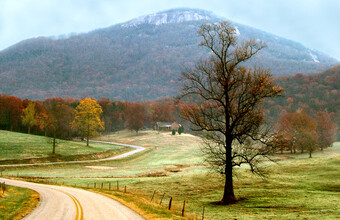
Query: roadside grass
(17, 202)
(141, 205)
(24, 148)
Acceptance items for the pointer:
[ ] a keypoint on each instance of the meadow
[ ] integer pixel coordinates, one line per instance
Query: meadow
(24, 148)
(296, 187)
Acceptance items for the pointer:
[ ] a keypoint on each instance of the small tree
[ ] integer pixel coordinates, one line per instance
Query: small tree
(173, 131)
(87, 118)
(228, 102)
(180, 129)
(28, 118)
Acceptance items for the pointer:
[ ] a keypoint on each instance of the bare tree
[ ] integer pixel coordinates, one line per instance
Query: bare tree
(228, 102)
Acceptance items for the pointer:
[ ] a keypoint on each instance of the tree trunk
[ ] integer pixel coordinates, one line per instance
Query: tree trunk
(88, 130)
(29, 130)
(228, 195)
(310, 154)
(302, 150)
(321, 148)
(53, 151)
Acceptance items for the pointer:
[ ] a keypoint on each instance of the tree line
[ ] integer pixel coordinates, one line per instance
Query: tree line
(298, 131)
(55, 117)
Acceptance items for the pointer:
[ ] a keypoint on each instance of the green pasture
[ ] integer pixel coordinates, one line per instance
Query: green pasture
(296, 187)
(32, 148)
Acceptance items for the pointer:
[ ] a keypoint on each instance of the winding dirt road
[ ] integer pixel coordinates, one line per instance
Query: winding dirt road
(59, 202)
(136, 150)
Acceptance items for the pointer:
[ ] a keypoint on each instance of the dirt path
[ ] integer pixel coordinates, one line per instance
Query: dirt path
(58, 202)
(136, 150)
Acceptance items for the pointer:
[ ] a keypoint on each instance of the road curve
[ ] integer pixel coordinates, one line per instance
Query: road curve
(59, 202)
(136, 150)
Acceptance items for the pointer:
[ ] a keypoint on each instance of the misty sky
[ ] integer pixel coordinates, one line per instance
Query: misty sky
(314, 23)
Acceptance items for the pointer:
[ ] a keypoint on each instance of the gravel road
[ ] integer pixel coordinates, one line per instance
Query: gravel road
(59, 202)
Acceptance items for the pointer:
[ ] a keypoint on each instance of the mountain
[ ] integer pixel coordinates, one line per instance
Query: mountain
(137, 60)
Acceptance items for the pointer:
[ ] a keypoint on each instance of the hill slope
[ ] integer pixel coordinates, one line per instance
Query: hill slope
(138, 60)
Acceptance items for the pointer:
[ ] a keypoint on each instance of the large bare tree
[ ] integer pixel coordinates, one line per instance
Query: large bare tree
(228, 104)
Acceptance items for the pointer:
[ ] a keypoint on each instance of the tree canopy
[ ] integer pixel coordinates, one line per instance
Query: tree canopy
(87, 118)
(29, 116)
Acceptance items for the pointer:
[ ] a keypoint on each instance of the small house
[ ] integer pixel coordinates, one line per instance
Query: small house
(166, 126)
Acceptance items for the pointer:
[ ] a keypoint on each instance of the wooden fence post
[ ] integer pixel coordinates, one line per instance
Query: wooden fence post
(203, 213)
(183, 210)
(110, 186)
(162, 199)
(88, 184)
(125, 189)
(94, 185)
(102, 185)
(170, 203)
(153, 195)
(117, 185)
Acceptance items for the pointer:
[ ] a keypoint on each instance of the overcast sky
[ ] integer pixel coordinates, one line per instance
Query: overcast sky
(314, 23)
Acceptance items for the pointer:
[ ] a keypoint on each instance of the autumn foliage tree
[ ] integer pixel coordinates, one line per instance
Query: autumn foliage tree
(162, 111)
(87, 118)
(228, 100)
(56, 119)
(29, 116)
(11, 108)
(325, 129)
(134, 116)
(299, 132)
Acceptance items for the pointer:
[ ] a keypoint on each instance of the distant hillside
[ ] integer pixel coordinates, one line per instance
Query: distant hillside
(137, 60)
(311, 93)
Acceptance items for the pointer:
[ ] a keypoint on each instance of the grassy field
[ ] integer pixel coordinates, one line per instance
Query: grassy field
(17, 202)
(296, 188)
(23, 148)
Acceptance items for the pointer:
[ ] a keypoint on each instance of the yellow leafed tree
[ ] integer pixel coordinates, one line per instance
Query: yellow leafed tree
(29, 118)
(87, 118)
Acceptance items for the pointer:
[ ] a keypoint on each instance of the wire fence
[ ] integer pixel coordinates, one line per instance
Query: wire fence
(178, 206)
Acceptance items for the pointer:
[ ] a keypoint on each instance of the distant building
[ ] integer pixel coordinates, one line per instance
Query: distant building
(166, 126)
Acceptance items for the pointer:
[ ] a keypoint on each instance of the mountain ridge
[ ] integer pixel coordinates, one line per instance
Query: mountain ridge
(134, 62)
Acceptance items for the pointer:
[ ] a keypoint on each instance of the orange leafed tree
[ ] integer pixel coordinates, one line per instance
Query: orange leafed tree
(87, 118)
(162, 111)
(325, 129)
(134, 116)
(11, 109)
(229, 100)
(56, 119)
(299, 131)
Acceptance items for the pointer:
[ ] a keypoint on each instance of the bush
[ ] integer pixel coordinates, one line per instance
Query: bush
(180, 129)
(173, 131)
